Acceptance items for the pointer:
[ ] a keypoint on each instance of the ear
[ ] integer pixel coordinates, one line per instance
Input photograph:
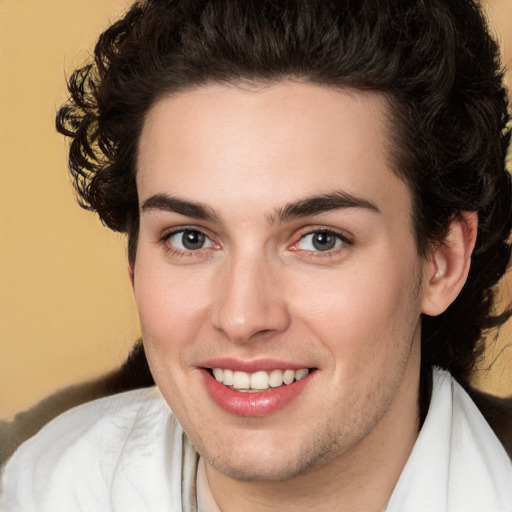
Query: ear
(447, 267)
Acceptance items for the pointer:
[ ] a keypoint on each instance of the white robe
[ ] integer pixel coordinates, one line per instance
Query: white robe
(127, 453)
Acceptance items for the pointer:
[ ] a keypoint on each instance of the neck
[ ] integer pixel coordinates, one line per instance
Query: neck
(361, 479)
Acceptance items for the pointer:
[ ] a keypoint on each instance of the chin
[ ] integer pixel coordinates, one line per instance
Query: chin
(257, 471)
(276, 461)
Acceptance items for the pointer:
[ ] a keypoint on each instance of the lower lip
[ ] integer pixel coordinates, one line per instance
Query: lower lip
(253, 404)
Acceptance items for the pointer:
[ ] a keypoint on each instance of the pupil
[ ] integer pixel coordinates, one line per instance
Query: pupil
(323, 241)
(193, 240)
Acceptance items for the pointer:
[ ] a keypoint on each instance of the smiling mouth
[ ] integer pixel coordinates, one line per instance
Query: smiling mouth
(257, 381)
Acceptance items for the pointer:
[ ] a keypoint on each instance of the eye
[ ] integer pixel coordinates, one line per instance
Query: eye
(188, 240)
(320, 241)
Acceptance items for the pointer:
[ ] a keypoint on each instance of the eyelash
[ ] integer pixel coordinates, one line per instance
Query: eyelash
(342, 240)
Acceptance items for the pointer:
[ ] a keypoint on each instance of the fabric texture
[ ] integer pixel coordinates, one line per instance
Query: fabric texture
(128, 453)
(457, 463)
(121, 454)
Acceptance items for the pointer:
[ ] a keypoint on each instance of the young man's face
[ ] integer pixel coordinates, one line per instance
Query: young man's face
(275, 237)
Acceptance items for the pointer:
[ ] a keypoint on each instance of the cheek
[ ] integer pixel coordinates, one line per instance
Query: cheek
(170, 311)
(364, 310)
(169, 303)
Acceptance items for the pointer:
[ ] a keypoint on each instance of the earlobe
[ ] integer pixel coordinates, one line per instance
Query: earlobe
(447, 268)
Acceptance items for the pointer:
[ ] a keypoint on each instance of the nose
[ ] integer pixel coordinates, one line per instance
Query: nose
(250, 301)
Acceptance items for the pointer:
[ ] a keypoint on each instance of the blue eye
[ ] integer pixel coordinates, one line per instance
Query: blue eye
(189, 240)
(320, 241)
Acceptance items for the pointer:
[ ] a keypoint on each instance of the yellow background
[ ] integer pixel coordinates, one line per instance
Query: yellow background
(66, 310)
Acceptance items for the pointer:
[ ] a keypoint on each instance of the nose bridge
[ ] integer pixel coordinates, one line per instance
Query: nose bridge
(249, 300)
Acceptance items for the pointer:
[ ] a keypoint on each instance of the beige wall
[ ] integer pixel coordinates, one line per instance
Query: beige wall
(66, 311)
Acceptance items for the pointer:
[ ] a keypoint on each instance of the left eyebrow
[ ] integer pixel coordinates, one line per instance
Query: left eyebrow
(320, 204)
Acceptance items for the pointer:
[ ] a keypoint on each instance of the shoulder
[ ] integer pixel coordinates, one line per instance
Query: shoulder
(106, 420)
(93, 453)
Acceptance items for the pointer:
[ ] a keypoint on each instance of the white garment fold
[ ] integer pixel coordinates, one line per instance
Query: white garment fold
(457, 463)
(117, 454)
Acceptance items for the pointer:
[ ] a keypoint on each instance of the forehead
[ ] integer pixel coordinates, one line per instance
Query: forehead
(267, 145)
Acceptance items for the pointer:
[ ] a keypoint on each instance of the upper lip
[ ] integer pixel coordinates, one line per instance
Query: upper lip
(251, 365)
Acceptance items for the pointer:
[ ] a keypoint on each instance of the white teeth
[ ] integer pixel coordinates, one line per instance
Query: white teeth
(275, 379)
(288, 376)
(227, 377)
(241, 380)
(300, 374)
(260, 380)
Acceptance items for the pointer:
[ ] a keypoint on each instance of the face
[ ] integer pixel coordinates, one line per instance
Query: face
(276, 254)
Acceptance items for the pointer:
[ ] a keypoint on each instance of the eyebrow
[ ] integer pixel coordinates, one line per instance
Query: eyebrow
(302, 208)
(320, 204)
(176, 205)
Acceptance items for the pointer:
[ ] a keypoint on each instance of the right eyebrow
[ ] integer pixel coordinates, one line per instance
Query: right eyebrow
(173, 204)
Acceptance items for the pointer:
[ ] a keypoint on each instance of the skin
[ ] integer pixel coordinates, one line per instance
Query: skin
(259, 289)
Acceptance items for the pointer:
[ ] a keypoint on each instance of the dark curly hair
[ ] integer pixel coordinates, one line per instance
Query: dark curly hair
(433, 60)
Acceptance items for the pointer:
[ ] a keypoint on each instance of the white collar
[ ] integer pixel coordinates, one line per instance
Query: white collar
(457, 463)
